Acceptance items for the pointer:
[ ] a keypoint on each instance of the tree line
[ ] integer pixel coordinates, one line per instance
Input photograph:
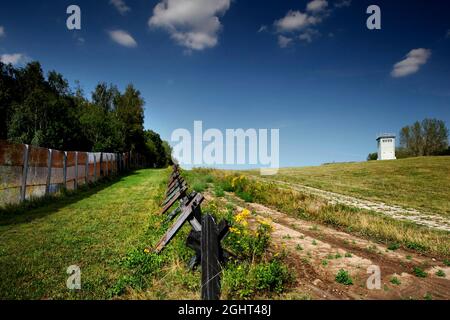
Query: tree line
(47, 112)
(428, 137)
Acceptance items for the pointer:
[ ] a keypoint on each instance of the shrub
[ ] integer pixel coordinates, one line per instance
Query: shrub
(418, 272)
(395, 281)
(343, 277)
(440, 273)
(372, 156)
(245, 280)
(393, 246)
(246, 242)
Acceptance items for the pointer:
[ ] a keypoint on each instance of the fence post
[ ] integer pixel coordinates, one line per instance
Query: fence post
(49, 171)
(65, 169)
(210, 259)
(86, 169)
(107, 165)
(101, 161)
(24, 173)
(76, 171)
(95, 168)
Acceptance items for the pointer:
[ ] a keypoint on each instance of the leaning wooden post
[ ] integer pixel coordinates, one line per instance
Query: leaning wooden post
(65, 169)
(23, 189)
(86, 169)
(49, 171)
(76, 171)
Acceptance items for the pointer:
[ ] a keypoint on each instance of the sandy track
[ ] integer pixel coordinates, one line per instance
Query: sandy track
(309, 245)
(407, 214)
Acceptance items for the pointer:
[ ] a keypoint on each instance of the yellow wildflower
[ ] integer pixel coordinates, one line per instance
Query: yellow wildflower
(242, 215)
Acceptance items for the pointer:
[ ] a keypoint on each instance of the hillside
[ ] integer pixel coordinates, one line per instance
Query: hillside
(421, 183)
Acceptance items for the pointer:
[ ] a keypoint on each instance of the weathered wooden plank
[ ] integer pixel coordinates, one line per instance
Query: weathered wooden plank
(210, 259)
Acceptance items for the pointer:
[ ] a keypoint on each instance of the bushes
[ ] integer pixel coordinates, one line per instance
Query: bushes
(245, 280)
(372, 156)
(343, 277)
(256, 271)
(246, 242)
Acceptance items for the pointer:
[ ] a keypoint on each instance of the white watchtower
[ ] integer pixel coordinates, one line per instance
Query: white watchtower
(386, 146)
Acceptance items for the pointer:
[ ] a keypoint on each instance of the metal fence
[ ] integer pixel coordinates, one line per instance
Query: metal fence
(28, 172)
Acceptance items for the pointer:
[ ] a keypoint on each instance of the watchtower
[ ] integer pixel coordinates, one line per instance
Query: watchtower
(386, 146)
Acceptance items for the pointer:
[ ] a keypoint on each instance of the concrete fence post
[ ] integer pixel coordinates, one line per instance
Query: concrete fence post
(76, 171)
(95, 168)
(106, 162)
(119, 169)
(86, 169)
(49, 171)
(101, 163)
(65, 169)
(23, 189)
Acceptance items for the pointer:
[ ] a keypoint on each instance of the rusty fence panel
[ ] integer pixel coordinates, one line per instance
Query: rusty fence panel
(28, 172)
(11, 170)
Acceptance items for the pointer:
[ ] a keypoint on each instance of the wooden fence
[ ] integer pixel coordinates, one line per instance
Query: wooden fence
(205, 237)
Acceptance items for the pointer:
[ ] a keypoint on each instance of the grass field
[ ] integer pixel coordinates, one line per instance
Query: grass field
(99, 229)
(105, 230)
(421, 183)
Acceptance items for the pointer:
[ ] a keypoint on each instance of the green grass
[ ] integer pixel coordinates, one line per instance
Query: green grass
(368, 224)
(102, 230)
(421, 183)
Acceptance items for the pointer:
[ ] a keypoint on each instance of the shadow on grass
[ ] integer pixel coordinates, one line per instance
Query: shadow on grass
(41, 207)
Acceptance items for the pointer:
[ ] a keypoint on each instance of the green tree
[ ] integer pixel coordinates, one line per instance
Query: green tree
(372, 156)
(44, 111)
(425, 138)
(129, 111)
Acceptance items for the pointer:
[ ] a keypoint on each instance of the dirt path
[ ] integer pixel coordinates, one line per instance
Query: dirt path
(317, 253)
(426, 219)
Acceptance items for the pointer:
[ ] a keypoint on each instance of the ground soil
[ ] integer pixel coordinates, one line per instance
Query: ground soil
(309, 244)
(427, 219)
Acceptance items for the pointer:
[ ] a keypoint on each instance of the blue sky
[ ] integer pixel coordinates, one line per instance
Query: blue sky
(315, 72)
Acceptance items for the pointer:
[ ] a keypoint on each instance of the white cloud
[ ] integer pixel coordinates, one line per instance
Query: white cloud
(193, 24)
(308, 35)
(301, 25)
(283, 41)
(123, 38)
(316, 5)
(14, 59)
(262, 28)
(2, 31)
(121, 6)
(343, 3)
(411, 64)
(294, 21)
